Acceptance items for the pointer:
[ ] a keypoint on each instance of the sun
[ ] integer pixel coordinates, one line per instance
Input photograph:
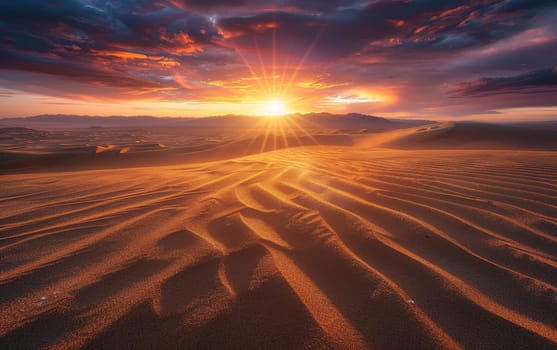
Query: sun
(274, 108)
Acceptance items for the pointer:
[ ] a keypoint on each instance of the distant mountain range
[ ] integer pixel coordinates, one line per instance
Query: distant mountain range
(352, 121)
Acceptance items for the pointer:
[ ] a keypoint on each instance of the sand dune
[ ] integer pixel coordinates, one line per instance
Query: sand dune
(308, 247)
(109, 156)
(474, 136)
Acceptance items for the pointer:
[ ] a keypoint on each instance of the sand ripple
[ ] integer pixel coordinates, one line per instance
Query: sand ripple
(317, 247)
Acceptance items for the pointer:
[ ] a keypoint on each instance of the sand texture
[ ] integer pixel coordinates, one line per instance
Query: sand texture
(314, 247)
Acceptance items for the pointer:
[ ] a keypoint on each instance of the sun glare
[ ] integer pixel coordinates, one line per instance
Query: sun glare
(274, 108)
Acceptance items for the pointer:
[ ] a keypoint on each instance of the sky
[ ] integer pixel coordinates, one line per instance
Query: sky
(445, 60)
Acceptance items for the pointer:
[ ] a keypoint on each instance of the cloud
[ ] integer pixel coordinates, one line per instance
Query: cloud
(540, 81)
(223, 49)
(208, 4)
(74, 71)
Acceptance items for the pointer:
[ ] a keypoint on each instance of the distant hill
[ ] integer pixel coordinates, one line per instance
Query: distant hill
(345, 122)
(79, 121)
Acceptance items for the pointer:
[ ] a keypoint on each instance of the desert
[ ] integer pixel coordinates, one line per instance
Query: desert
(339, 244)
(278, 174)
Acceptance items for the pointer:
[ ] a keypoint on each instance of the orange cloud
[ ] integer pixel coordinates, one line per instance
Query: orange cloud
(319, 85)
(181, 44)
(127, 55)
(397, 22)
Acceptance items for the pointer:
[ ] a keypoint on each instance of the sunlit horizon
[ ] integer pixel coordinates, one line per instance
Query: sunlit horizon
(178, 60)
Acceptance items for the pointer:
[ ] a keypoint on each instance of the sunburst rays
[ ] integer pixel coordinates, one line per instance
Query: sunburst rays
(275, 93)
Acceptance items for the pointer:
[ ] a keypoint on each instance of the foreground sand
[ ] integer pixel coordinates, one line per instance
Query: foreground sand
(314, 247)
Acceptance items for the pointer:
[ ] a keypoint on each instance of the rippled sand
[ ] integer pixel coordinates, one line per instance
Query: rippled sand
(305, 248)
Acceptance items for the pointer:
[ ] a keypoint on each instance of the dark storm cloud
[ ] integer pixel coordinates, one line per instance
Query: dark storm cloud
(315, 6)
(208, 4)
(389, 28)
(346, 27)
(544, 80)
(96, 24)
(74, 71)
(521, 5)
(111, 43)
(324, 5)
